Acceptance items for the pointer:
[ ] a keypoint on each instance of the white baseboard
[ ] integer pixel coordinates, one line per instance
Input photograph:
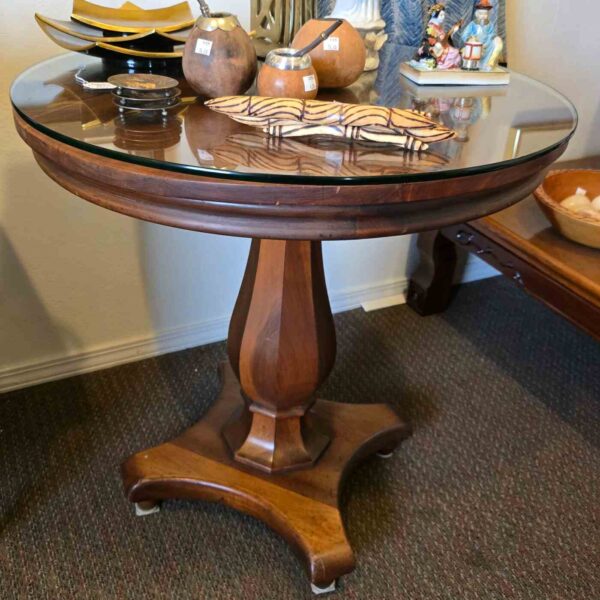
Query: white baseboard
(385, 302)
(198, 334)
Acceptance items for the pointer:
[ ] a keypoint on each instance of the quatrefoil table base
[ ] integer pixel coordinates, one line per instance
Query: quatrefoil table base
(302, 506)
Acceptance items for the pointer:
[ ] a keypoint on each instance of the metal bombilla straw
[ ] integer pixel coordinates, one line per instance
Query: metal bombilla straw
(204, 8)
(320, 39)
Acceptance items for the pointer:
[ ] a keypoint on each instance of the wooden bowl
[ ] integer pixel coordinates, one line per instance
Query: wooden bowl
(559, 185)
(337, 65)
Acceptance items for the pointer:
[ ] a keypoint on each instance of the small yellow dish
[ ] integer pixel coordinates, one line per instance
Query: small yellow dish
(130, 18)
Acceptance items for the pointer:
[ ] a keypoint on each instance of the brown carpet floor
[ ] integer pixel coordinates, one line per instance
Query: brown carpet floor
(496, 494)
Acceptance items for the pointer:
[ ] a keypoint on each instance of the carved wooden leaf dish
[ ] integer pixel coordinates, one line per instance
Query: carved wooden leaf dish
(290, 117)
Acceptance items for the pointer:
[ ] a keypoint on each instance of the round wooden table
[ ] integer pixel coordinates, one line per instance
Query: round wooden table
(268, 446)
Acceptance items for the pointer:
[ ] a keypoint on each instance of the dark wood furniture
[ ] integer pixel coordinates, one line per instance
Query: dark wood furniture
(268, 446)
(520, 242)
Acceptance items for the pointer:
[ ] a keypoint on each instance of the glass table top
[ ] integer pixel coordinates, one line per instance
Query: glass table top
(495, 126)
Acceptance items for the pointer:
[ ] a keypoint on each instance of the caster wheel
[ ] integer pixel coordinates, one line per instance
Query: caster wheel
(385, 454)
(317, 591)
(143, 509)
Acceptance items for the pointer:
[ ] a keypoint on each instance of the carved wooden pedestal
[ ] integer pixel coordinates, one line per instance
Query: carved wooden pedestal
(266, 447)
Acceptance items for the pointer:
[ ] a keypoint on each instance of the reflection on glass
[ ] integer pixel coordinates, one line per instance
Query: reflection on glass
(526, 135)
(146, 134)
(197, 140)
(221, 142)
(458, 107)
(252, 151)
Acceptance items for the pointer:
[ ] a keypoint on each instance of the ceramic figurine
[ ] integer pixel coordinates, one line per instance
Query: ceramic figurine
(340, 60)
(288, 117)
(446, 55)
(435, 29)
(472, 53)
(365, 16)
(424, 56)
(219, 57)
(438, 60)
(482, 30)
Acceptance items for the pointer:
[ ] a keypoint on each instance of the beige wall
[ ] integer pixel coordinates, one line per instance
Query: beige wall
(557, 41)
(83, 288)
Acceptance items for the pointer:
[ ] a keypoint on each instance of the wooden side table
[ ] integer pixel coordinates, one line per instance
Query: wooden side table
(268, 446)
(520, 242)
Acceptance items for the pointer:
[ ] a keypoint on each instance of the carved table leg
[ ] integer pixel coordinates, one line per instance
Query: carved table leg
(270, 449)
(430, 286)
(282, 347)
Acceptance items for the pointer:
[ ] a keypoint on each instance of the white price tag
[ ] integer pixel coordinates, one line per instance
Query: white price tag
(203, 47)
(310, 83)
(98, 85)
(332, 43)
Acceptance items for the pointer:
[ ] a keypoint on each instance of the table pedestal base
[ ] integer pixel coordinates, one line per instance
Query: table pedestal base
(301, 505)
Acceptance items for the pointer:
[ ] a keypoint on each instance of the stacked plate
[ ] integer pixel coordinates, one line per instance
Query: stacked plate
(128, 33)
(144, 92)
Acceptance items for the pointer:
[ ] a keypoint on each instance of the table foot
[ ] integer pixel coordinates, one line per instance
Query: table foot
(318, 591)
(301, 505)
(143, 509)
(385, 454)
